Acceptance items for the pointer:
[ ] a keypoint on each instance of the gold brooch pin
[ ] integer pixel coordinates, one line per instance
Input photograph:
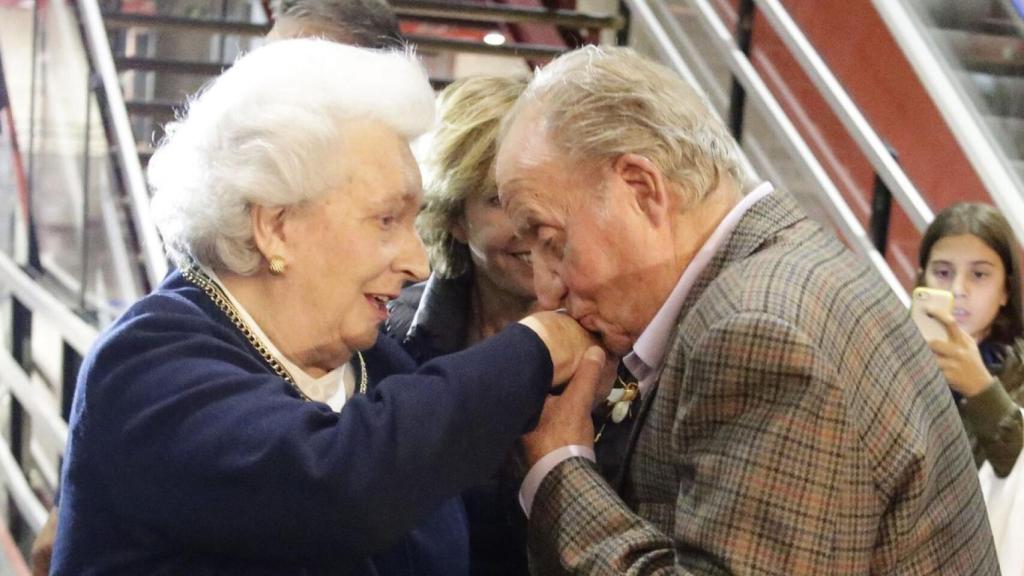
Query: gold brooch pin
(620, 400)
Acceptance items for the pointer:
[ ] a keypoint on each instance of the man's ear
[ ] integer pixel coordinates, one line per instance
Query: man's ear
(650, 190)
(268, 230)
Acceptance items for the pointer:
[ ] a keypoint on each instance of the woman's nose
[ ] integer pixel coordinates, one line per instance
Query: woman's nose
(413, 258)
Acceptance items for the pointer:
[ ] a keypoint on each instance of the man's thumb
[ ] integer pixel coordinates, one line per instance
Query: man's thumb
(584, 383)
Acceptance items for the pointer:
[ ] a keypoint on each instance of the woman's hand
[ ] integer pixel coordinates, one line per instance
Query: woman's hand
(960, 360)
(565, 339)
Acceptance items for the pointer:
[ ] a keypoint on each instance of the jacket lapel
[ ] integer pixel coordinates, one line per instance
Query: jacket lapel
(755, 230)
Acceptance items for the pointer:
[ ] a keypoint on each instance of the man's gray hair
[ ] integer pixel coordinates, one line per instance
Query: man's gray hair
(271, 131)
(367, 23)
(600, 103)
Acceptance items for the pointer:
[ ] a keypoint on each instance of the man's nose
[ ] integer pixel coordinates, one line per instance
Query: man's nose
(550, 288)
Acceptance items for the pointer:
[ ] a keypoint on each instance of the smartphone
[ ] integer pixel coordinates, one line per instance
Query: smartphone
(926, 302)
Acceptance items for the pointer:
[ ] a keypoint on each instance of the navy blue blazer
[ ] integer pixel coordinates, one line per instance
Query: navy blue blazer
(188, 455)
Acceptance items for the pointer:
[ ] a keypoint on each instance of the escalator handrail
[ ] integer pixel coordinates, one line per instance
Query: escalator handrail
(102, 60)
(829, 87)
(982, 151)
(743, 70)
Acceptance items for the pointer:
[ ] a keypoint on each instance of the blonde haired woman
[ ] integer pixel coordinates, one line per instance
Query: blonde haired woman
(481, 281)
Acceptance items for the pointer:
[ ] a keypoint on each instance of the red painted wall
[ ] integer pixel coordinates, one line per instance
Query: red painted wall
(856, 44)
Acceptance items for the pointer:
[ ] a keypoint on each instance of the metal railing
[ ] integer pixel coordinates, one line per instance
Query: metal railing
(655, 17)
(128, 164)
(982, 150)
(74, 183)
(42, 437)
(876, 152)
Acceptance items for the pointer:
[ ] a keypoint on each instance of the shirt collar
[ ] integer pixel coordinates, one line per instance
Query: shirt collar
(647, 357)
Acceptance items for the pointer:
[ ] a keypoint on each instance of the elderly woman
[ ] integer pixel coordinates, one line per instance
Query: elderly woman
(244, 418)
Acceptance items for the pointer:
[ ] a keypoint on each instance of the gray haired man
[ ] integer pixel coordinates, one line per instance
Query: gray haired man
(368, 23)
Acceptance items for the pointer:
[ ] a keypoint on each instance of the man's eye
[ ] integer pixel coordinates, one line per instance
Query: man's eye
(493, 201)
(388, 222)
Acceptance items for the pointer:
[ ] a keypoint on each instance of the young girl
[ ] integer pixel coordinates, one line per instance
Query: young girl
(969, 249)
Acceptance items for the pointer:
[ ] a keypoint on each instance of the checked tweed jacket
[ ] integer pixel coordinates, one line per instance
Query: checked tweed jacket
(800, 426)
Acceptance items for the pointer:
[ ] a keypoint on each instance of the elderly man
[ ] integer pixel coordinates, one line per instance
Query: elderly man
(792, 419)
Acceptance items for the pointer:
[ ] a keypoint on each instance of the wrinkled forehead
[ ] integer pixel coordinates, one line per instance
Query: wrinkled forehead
(380, 163)
(524, 145)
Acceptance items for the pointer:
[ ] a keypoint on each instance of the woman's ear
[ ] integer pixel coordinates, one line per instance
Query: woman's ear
(268, 230)
(458, 230)
(650, 190)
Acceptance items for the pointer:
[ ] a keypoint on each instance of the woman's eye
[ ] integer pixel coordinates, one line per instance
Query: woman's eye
(980, 275)
(387, 222)
(943, 274)
(493, 201)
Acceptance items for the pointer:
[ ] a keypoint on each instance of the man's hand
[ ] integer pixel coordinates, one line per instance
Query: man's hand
(565, 339)
(42, 548)
(566, 418)
(959, 359)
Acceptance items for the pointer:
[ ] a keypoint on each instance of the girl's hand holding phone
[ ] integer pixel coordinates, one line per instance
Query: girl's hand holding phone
(959, 358)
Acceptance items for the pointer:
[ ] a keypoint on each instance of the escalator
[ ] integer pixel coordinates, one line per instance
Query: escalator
(970, 58)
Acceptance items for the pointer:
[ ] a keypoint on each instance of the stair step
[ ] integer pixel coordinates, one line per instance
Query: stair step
(1003, 95)
(133, 20)
(161, 109)
(1011, 131)
(478, 12)
(169, 66)
(994, 54)
(528, 51)
(989, 17)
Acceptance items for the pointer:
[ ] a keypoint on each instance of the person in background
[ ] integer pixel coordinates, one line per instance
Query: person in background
(481, 281)
(793, 420)
(244, 418)
(969, 250)
(481, 278)
(367, 23)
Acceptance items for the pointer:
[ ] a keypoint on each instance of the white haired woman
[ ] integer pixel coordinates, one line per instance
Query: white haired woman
(243, 418)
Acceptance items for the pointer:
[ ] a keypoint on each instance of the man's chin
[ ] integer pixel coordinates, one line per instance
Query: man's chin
(616, 344)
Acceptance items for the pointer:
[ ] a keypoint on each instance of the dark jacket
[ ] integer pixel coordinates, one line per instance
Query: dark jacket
(431, 319)
(188, 455)
(992, 419)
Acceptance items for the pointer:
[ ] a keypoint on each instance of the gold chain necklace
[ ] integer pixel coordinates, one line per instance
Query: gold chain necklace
(196, 276)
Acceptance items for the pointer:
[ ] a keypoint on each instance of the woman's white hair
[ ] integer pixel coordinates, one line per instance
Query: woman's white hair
(269, 132)
(601, 103)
